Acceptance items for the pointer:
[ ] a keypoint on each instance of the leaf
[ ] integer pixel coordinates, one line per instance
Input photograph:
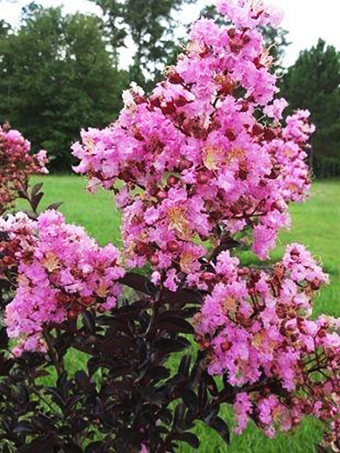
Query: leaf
(89, 322)
(184, 366)
(139, 283)
(195, 371)
(71, 447)
(190, 399)
(179, 416)
(222, 428)
(132, 311)
(165, 416)
(36, 200)
(182, 297)
(94, 447)
(171, 345)
(202, 394)
(56, 397)
(82, 379)
(116, 325)
(54, 206)
(174, 324)
(158, 373)
(38, 446)
(210, 383)
(36, 189)
(62, 381)
(114, 343)
(184, 313)
(24, 428)
(188, 438)
(227, 243)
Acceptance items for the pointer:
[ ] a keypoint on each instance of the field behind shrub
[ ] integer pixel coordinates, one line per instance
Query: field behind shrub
(315, 223)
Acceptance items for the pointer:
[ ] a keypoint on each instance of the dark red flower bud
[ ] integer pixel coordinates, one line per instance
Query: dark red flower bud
(138, 136)
(257, 129)
(169, 108)
(154, 191)
(321, 333)
(154, 260)
(245, 106)
(161, 195)
(246, 39)
(155, 101)
(208, 276)
(126, 176)
(185, 164)
(226, 346)
(139, 99)
(235, 48)
(229, 133)
(181, 101)
(202, 178)
(174, 77)
(87, 301)
(173, 246)
(172, 181)
(231, 33)
(269, 134)
(72, 315)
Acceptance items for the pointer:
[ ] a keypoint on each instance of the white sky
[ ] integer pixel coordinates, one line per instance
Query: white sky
(306, 20)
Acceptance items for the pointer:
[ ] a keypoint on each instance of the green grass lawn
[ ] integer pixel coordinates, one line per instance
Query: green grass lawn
(315, 223)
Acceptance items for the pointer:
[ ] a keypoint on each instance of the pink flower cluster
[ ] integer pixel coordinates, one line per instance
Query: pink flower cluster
(250, 14)
(17, 165)
(61, 272)
(194, 160)
(203, 159)
(257, 330)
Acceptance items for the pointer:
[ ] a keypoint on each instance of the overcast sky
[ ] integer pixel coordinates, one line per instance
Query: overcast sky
(306, 20)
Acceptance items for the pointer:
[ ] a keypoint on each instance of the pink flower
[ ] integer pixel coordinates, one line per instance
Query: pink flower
(61, 270)
(242, 408)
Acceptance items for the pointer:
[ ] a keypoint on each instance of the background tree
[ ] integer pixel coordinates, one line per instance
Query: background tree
(57, 75)
(151, 25)
(313, 83)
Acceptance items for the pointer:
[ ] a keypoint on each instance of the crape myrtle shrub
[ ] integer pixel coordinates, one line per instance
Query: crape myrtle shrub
(201, 168)
(16, 166)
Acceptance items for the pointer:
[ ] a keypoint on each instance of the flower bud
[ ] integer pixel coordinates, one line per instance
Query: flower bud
(169, 108)
(174, 77)
(257, 130)
(231, 33)
(202, 178)
(226, 346)
(185, 164)
(246, 39)
(161, 195)
(72, 315)
(155, 101)
(181, 101)
(173, 246)
(172, 181)
(229, 133)
(154, 260)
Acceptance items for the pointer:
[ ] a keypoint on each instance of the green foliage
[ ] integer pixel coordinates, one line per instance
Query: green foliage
(150, 24)
(57, 76)
(313, 83)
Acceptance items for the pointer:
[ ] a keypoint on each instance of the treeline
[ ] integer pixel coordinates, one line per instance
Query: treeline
(314, 83)
(59, 73)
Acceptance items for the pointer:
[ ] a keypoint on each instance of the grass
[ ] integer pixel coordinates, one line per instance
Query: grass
(314, 223)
